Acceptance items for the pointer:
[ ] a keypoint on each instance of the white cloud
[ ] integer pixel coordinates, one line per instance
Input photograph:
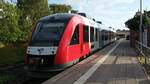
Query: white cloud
(111, 12)
(123, 1)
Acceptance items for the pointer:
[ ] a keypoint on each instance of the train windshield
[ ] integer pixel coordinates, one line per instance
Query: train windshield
(47, 34)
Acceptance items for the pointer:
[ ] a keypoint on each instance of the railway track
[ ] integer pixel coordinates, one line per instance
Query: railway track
(19, 75)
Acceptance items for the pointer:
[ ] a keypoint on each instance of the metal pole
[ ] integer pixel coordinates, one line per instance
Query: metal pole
(140, 30)
(140, 26)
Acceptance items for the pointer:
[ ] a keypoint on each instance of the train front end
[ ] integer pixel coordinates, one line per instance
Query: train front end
(44, 43)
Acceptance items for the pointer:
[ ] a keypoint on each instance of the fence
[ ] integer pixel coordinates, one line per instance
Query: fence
(144, 51)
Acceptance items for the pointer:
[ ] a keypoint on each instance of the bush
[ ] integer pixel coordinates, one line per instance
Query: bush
(9, 29)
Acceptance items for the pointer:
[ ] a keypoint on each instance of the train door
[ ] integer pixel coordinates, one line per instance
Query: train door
(97, 38)
(103, 38)
(85, 35)
(75, 49)
(81, 38)
(92, 38)
(100, 39)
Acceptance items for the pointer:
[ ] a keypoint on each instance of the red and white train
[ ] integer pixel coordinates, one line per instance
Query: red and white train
(60, 40)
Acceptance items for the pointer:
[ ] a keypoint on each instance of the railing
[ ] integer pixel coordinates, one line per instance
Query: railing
(144, 51)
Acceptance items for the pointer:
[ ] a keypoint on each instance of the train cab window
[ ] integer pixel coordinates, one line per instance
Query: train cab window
(47, 34)
(96, 37)
(75, 37)
(85, 33)
(92, 34)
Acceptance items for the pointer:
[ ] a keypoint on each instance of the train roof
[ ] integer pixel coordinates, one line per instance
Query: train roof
(66, 16)
(104, 27)
(57, 16)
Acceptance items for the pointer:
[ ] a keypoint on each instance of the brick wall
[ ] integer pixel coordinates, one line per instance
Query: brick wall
(148, 36)
(133, 37)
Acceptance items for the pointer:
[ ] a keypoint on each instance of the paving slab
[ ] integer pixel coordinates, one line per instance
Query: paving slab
(120, 67)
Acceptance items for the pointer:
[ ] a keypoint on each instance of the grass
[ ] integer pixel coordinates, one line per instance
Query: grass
(141, 59)
(10, 55)
(5, 78)
(146, 66)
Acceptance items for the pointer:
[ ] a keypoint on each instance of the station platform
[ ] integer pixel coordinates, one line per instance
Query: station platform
(115, 64)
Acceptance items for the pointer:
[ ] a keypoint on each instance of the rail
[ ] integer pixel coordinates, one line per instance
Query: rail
(144, 51)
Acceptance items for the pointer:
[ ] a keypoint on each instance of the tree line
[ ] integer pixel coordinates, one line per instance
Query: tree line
(134, 22)
(17, 20)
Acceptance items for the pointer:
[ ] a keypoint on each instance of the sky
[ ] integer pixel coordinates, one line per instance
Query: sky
(112, 13)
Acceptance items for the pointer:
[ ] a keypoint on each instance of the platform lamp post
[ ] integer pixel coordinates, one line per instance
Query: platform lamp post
(140, 26)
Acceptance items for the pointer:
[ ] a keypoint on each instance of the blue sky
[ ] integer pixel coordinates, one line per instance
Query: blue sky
(111, 12)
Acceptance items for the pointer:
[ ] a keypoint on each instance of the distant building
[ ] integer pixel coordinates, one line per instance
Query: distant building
(122, 33)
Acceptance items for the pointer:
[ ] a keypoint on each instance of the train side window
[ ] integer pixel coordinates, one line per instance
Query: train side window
(96, 38)
(85, 33)
(92, 34)
(106, 36)
(75, 37)
(103, 35)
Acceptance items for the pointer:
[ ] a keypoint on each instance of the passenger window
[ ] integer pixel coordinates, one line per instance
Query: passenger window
(75, 37)
(85, 33)
(106, 35)
(103, 35)
(96, 35)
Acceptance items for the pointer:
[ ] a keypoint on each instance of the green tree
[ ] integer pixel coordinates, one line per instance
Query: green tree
(146, 17)
(74, 11)
(57, 8)
(33, 9)
(1, 1)
(134, 22)
(9, 29)
(30, 12)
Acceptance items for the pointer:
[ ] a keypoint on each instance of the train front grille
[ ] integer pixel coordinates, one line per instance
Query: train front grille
(41, 60)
